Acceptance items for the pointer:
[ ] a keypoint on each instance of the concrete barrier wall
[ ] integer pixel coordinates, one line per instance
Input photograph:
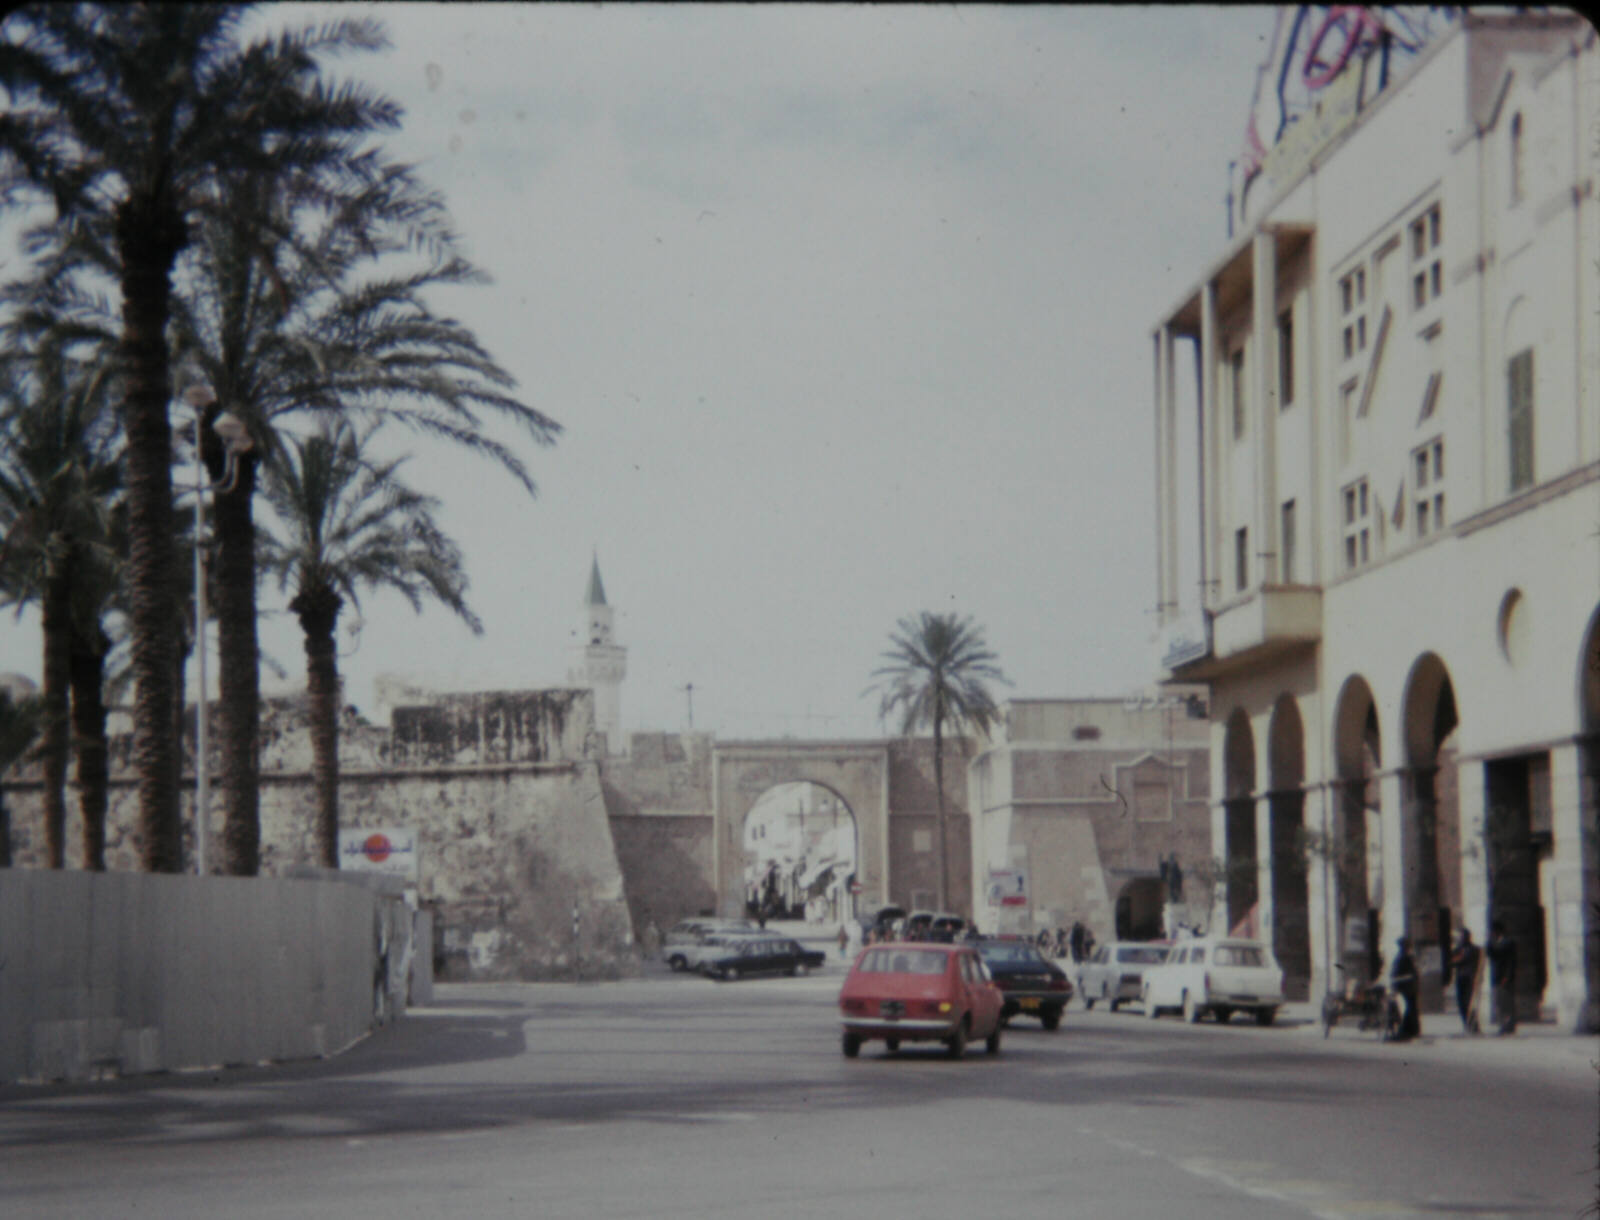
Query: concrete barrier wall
(120, 973)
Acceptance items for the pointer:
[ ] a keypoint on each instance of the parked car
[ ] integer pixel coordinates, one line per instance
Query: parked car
(920, 993)
(1115, 972)
(688, 932)
(1030, 982)
(761, 955)
(711, 945)
(946, 928)
(1215, 974)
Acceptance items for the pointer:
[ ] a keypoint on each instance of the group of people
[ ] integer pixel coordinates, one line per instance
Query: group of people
(1466, 960)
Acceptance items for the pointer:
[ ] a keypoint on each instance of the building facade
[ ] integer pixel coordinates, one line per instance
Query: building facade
(1093, 810)
(1378, 527)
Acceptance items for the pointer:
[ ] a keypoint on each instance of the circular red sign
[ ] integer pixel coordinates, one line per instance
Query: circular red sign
(376, 848)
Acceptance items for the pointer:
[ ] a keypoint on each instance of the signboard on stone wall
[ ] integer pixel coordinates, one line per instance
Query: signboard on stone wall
(379, 849)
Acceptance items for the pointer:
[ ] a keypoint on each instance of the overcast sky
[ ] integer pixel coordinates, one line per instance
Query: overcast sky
(845, 312)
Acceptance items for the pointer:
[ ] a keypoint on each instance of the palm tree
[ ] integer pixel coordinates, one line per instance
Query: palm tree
(349, 525)
(327, 318)
(59, 473)
(935, 671)
(124, 115)
(19, 727)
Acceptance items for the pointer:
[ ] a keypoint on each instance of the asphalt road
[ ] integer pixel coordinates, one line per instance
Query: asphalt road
(673, 1096)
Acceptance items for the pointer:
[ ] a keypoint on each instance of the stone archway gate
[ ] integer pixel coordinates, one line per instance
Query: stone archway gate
(856, 772)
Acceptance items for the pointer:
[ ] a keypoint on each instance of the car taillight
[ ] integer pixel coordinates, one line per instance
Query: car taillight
(1059, 983)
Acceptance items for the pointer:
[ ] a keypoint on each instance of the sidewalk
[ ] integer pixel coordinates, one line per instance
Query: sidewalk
(1535, 1044)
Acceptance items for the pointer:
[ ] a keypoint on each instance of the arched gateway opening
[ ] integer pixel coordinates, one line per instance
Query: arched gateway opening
(854, 775)
(800, 855)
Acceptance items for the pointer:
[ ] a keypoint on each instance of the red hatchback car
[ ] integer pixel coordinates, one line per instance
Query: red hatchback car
(918, 992)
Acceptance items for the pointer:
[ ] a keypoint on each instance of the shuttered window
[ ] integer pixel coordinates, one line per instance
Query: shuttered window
(1519, 418)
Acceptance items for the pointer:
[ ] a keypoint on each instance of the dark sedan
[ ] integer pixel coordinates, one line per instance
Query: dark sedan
(1030, 983)
(762, 955)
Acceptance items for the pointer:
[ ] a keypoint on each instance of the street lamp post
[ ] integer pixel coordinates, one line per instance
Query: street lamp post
(236, 440)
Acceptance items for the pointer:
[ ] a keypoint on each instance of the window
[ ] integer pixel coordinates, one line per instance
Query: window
(1150, 802)
(1286, 358)
(1519, 422)
(1430, 396)
(1516, 159)
(1286, 541)
(1427, 269)
(1357, 525)
(1353, 312)
(1236, 364)
(1349, 404)
(1241, 557)
(1427, 486)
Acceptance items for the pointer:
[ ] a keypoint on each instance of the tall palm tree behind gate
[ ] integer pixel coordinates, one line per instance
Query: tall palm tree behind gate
(934, 676)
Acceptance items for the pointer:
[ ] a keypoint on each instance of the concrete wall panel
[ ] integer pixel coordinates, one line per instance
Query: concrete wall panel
(133, 972)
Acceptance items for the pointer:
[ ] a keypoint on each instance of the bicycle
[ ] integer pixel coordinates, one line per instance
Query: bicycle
(1374, 1006)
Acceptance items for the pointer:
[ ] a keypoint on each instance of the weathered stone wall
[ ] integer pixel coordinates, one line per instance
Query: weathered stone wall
(509, 815)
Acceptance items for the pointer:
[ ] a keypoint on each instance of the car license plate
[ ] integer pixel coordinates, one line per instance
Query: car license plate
(892, 1009)
(1030, 1003)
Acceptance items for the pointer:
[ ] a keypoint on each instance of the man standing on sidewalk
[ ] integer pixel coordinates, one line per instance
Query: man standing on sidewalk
(1502, 952)
(1464, 962)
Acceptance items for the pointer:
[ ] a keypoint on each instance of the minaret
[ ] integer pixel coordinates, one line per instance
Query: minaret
(599, 664)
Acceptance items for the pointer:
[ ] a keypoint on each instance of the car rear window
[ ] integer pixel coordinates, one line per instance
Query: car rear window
(1011, 953)
(1147, 957)
(1238, 955)
(903, 961)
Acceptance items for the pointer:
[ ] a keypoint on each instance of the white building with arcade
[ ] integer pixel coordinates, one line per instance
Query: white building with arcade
(1378, 474)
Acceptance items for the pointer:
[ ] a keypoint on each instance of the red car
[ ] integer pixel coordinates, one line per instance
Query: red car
(919, 992)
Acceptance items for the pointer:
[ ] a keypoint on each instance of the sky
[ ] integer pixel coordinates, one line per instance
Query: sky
(845, 313)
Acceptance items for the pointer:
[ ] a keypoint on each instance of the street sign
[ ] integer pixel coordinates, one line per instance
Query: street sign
(384, 849)
(1008, 887)
(856, 887)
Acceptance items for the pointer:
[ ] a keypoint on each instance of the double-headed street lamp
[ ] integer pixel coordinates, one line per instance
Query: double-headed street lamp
(235, 437)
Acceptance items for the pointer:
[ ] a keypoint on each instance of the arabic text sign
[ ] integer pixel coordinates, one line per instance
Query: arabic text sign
(381, 849)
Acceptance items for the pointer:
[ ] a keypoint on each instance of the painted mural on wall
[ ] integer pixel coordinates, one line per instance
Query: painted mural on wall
(1328, 62)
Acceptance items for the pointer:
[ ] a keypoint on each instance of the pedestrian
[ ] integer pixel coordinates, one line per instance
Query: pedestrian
(1075, 940)
(1502, 952)
(844, 940)
(1464, 962)
(1088, 944)
(1403, 979)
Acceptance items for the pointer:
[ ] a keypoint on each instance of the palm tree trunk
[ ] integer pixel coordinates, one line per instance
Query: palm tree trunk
(56, 618)
(180, 724)
(239, 672)
(938, 789)
(318, 611)
(89, 741)
(149, 233)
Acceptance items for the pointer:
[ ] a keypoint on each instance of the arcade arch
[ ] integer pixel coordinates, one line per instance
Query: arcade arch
(1239, 817)
(1430, 822)
(1286, 829)
(1356, 853)
(1589, 812)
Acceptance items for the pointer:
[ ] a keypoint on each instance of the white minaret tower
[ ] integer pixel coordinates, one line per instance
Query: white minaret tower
(599, 664)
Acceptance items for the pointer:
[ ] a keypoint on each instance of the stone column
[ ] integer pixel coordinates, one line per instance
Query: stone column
(1568, 893)
(1264, 404)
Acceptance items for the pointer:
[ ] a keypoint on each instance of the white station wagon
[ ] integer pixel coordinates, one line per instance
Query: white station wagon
(1221, 975)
